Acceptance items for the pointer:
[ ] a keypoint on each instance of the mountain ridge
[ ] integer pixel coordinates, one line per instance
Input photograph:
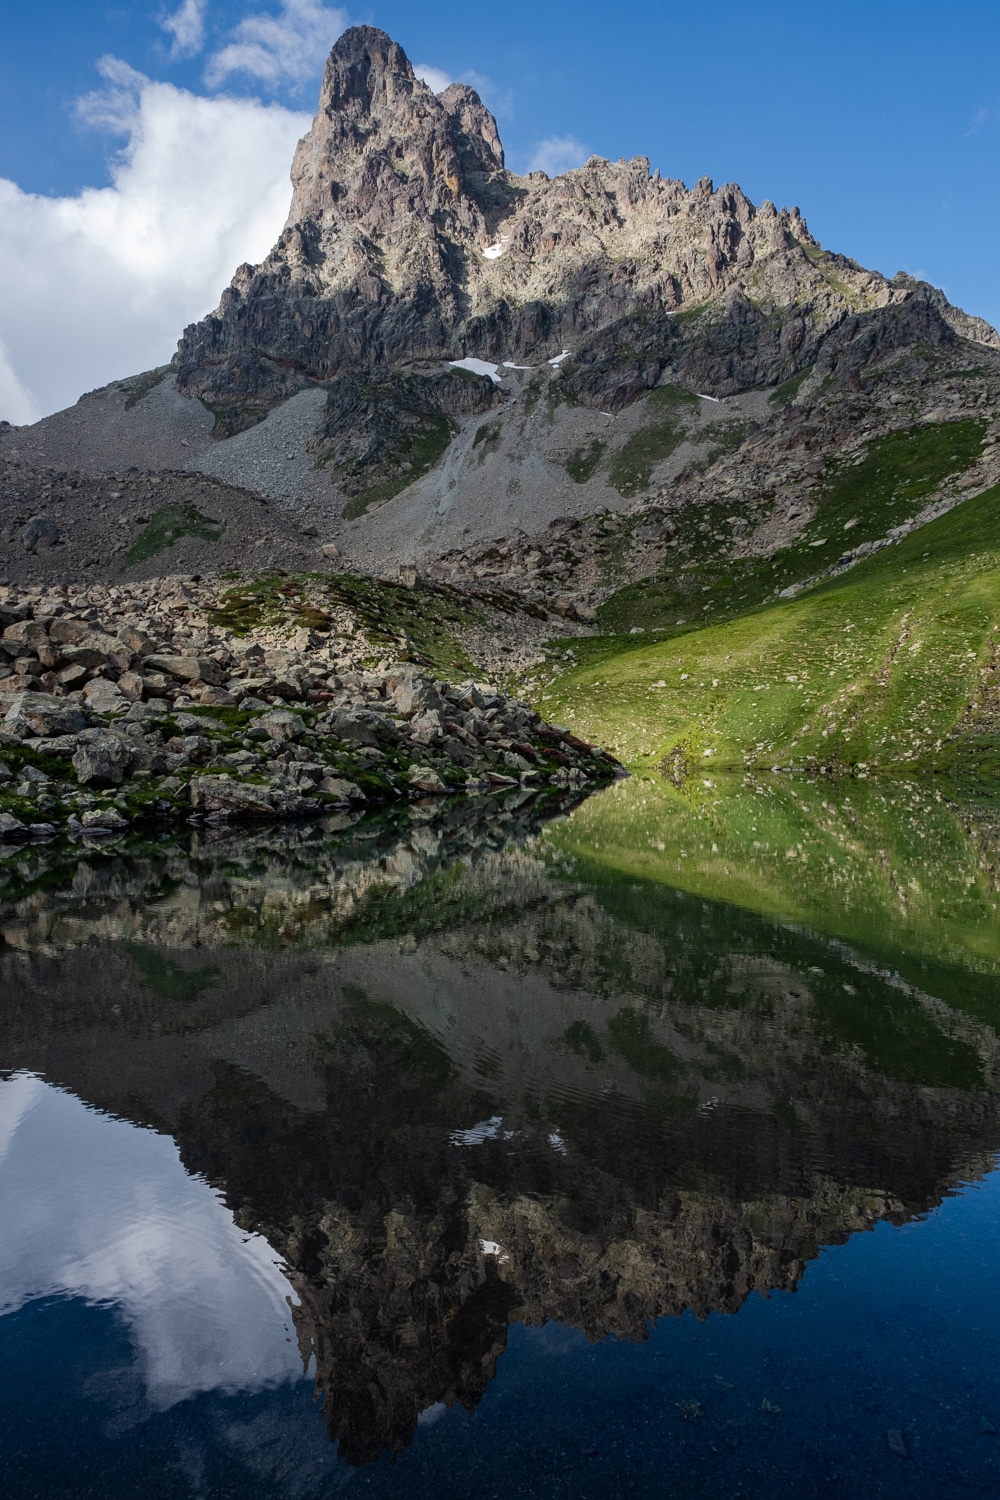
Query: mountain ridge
(439, 356)
(408, 240)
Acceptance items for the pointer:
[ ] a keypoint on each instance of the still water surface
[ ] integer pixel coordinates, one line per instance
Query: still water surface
(644, 1147)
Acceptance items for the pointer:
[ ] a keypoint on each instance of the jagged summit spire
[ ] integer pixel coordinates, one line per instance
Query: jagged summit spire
(365, 68)
(369, 75)
(384, 150)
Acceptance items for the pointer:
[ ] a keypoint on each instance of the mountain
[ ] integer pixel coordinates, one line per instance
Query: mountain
(600, 395)
(408, 241)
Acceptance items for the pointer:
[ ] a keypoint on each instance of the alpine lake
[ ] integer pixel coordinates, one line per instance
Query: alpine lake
(508, 1146)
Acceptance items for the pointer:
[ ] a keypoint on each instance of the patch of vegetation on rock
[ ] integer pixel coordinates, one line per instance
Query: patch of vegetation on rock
(632, 466)
(416, 453)
(233, 419)
(785, 393)
(421, 623)
(584, 463)
(166, 526)
(139, 387)
(487, 440)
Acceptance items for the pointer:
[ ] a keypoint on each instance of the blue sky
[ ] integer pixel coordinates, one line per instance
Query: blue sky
(880, 120)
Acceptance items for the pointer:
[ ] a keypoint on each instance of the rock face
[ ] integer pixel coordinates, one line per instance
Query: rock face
(408, 240)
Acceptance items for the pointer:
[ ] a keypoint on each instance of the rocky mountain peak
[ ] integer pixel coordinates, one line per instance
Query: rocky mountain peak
(478, 138)
(366, 68)
(409, 244)
(384, 152)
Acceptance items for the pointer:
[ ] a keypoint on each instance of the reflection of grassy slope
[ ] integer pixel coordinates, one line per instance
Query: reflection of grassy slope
(892, 870)
(404, 1049)
(170, 979)
(888, 666)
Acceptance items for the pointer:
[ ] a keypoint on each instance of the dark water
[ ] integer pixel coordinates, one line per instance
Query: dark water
(650, 1150)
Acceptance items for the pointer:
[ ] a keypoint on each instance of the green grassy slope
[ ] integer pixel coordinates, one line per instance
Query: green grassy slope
(859, 499)
(891, 668)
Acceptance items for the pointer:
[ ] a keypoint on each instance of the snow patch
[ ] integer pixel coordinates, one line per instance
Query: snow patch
(703, 397)
(559, 358)
(557, 1143)
(494, 251)
(478, 367)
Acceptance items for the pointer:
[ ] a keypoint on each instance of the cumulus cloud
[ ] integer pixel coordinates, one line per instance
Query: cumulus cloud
(187, 27)
(99, 285)
(558, 153)
(288, 48)
(115, 107)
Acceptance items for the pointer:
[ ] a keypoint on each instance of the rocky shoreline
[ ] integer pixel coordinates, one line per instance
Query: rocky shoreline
(124, 707)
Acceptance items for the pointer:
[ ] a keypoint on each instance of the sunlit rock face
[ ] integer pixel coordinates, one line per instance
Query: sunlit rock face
(407, 241)
(455, 1085)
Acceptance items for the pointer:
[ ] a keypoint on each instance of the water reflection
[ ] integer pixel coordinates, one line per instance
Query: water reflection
(95, 1208)
(462, 1071)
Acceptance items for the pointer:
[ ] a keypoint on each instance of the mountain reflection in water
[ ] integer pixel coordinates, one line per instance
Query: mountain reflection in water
(460, 1071)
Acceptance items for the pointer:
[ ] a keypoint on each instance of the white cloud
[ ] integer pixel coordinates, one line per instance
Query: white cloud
(558, 153)
(435, 79)
(115, 107)
(17, 404)
(100, 285)
(289, 48)
(187, 27)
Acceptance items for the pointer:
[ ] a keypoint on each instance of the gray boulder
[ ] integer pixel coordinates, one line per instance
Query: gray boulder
(104, 763)
(187, 668)
(104, 820)
(225, 798)
(40, 532)
(358, 727)
(41, 714)
(413, 694)
(282, 725)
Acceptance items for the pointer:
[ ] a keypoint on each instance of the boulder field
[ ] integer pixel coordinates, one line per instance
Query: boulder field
(114, 713)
